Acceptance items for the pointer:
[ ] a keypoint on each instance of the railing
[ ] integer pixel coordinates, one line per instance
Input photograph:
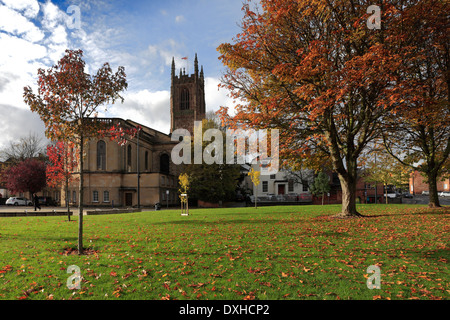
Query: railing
(304, 197)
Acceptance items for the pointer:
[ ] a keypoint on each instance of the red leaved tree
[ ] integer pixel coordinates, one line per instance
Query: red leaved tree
(67, 102)
(26, 176)
(60, 167)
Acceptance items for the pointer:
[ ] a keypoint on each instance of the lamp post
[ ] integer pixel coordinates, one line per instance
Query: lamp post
(376, 185)
(167, 198)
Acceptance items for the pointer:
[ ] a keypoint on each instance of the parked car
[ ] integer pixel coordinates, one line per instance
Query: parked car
(271, 197)
(407, 195)
(17, 201)
(392, 195)
(292, 197)
(306, 197)
(426, 192)
(444, 194)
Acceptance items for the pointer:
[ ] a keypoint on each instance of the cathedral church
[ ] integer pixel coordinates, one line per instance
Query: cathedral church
(141, 173)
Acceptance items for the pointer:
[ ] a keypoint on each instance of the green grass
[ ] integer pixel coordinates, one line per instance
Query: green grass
(295, 252)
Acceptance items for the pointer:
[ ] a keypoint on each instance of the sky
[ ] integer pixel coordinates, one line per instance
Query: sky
(141, 35)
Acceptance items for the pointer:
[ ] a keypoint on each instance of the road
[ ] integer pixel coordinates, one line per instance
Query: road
(424, 199)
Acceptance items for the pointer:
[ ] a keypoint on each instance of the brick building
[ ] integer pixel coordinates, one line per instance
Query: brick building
(417, 184)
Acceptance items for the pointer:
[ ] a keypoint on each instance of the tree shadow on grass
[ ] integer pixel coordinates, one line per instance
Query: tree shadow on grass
(194, 221)
(71, 250)
(441, 255)
(432, 211)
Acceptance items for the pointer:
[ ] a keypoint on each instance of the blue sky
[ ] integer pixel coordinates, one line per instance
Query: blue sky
(142, 36)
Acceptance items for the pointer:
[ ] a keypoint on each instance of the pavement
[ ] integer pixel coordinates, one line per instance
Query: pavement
(60, 210)
(5, 208)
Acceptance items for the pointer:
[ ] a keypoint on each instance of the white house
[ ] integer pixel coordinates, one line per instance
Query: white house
(282, 186)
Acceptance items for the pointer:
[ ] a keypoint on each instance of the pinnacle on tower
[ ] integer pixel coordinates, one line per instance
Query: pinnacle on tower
(187, 96)
(196, 65)
(173, 67)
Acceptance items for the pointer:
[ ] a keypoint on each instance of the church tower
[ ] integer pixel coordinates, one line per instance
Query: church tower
(187, 98)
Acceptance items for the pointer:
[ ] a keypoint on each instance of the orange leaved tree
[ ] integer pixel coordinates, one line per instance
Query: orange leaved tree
(314, 70)
(67, 102)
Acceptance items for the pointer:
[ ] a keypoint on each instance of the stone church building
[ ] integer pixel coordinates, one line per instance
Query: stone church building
(112, 177)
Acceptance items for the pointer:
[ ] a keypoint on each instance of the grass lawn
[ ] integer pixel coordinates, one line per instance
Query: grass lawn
(292, 252)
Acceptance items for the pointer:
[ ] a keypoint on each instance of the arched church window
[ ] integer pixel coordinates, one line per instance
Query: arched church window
(164, 163)
(184, 99)
(129, 157)
(101, 155)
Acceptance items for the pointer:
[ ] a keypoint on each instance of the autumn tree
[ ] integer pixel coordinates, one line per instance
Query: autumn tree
(68, 100)
(321, 185)
(314, 70)
(215, 180)
(26, 147)
(254, 176)
(419, 135)
(61, 162)
(382, 168)
(26, 176)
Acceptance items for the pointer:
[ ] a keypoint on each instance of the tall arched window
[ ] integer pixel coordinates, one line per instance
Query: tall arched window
(184, 99)
(146, 160)
(129, 157)
(164, 163)
(101, 155)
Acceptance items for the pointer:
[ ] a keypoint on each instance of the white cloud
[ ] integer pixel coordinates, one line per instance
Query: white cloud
(29, 8)
(26, 47)
(16, 24)
(151, 109)
(161, 55)
(53, 16)
(19, 62)
(179, 19)
(18, 123)
(217, 97)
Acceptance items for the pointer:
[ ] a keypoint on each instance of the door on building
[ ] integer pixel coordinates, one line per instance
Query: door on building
(281, 189)
(128, 199)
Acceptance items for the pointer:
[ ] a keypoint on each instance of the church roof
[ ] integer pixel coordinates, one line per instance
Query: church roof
(147, 133)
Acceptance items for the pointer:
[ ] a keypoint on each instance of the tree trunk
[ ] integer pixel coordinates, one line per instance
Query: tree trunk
(348, 185)
(66, 173)
(386, 194)
(67, 198)
(81, 200)
(323, 195)
(432, 187)
(347, 174)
